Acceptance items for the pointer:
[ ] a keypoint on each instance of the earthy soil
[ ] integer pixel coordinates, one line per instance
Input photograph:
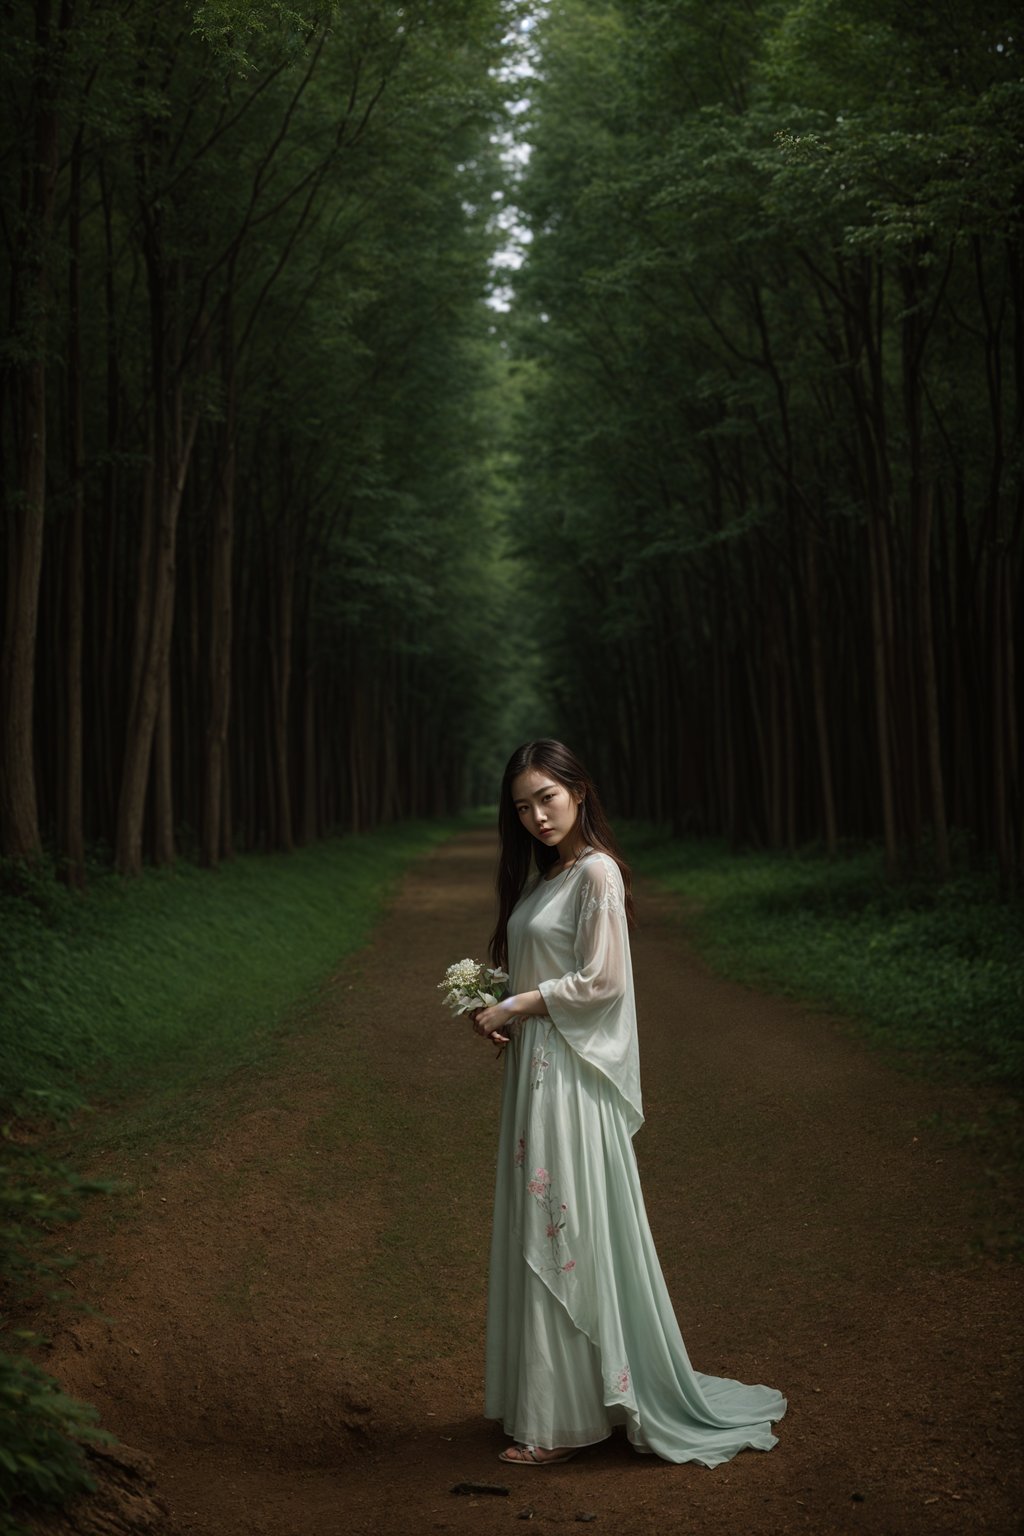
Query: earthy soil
(293, 1293)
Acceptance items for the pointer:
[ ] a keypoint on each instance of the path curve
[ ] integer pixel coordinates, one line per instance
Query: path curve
(295, 1299)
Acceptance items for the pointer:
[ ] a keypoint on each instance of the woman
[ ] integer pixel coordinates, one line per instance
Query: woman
(581, 1335)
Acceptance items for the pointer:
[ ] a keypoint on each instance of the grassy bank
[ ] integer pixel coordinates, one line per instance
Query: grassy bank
(931, 972)
(167, 984)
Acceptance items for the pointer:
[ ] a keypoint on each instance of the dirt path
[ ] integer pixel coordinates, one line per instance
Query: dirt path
(296, 1299)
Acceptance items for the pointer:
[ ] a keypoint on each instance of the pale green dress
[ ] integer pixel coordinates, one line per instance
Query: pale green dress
(581, 1334)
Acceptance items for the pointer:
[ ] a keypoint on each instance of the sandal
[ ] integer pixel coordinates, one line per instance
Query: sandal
(528, 1457)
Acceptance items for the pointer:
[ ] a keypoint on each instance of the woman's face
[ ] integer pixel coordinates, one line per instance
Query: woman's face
(546, 807)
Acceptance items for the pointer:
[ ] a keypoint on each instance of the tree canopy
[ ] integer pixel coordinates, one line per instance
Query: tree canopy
(247, 518)
(302, 528)
(770, 331)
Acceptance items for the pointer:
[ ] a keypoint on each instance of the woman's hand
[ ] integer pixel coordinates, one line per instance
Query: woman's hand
(494, 1023)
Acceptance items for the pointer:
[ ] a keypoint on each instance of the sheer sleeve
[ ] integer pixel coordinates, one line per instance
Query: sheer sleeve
(593, 1006)
(576, 1000)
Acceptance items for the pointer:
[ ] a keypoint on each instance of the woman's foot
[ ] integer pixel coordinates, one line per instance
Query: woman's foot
(537, 1455)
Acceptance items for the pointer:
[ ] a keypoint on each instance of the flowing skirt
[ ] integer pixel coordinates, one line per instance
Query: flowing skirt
(581, 1334)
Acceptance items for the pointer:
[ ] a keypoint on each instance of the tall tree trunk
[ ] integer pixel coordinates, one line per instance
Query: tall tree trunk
(172, 453)
(310, 767)
(220, 640)
(756, 827)
(790, 755)
(107, 680)
(929, 680)
(169, 483)
(880, 667)
(773, 664)
(163, 773)
(19, 813)
(355, 726)
(280, 639)
(72, 830)
(820, 695)
(1002, 720)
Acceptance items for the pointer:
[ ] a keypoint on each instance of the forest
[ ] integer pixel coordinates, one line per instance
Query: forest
(775, 316)
(316, 499)
(245, 256)
(386, 383)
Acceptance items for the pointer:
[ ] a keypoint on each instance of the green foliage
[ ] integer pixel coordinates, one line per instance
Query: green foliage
(235, 29)
(41, 1429)
(41, 1435)
(766, 317)
(183, 969)
(36, 1193)
(926, 969)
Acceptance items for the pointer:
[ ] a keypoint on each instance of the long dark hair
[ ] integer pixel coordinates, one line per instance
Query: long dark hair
(518, 844)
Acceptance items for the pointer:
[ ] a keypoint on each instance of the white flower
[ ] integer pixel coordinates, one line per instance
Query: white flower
(467, 985)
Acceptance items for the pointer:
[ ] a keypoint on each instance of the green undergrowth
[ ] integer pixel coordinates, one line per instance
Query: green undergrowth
(933, 970)
(932, 973)
(42, 1430)
(176, 980)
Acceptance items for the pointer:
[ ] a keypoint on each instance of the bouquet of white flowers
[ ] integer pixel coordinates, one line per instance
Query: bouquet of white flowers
(468, 984)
